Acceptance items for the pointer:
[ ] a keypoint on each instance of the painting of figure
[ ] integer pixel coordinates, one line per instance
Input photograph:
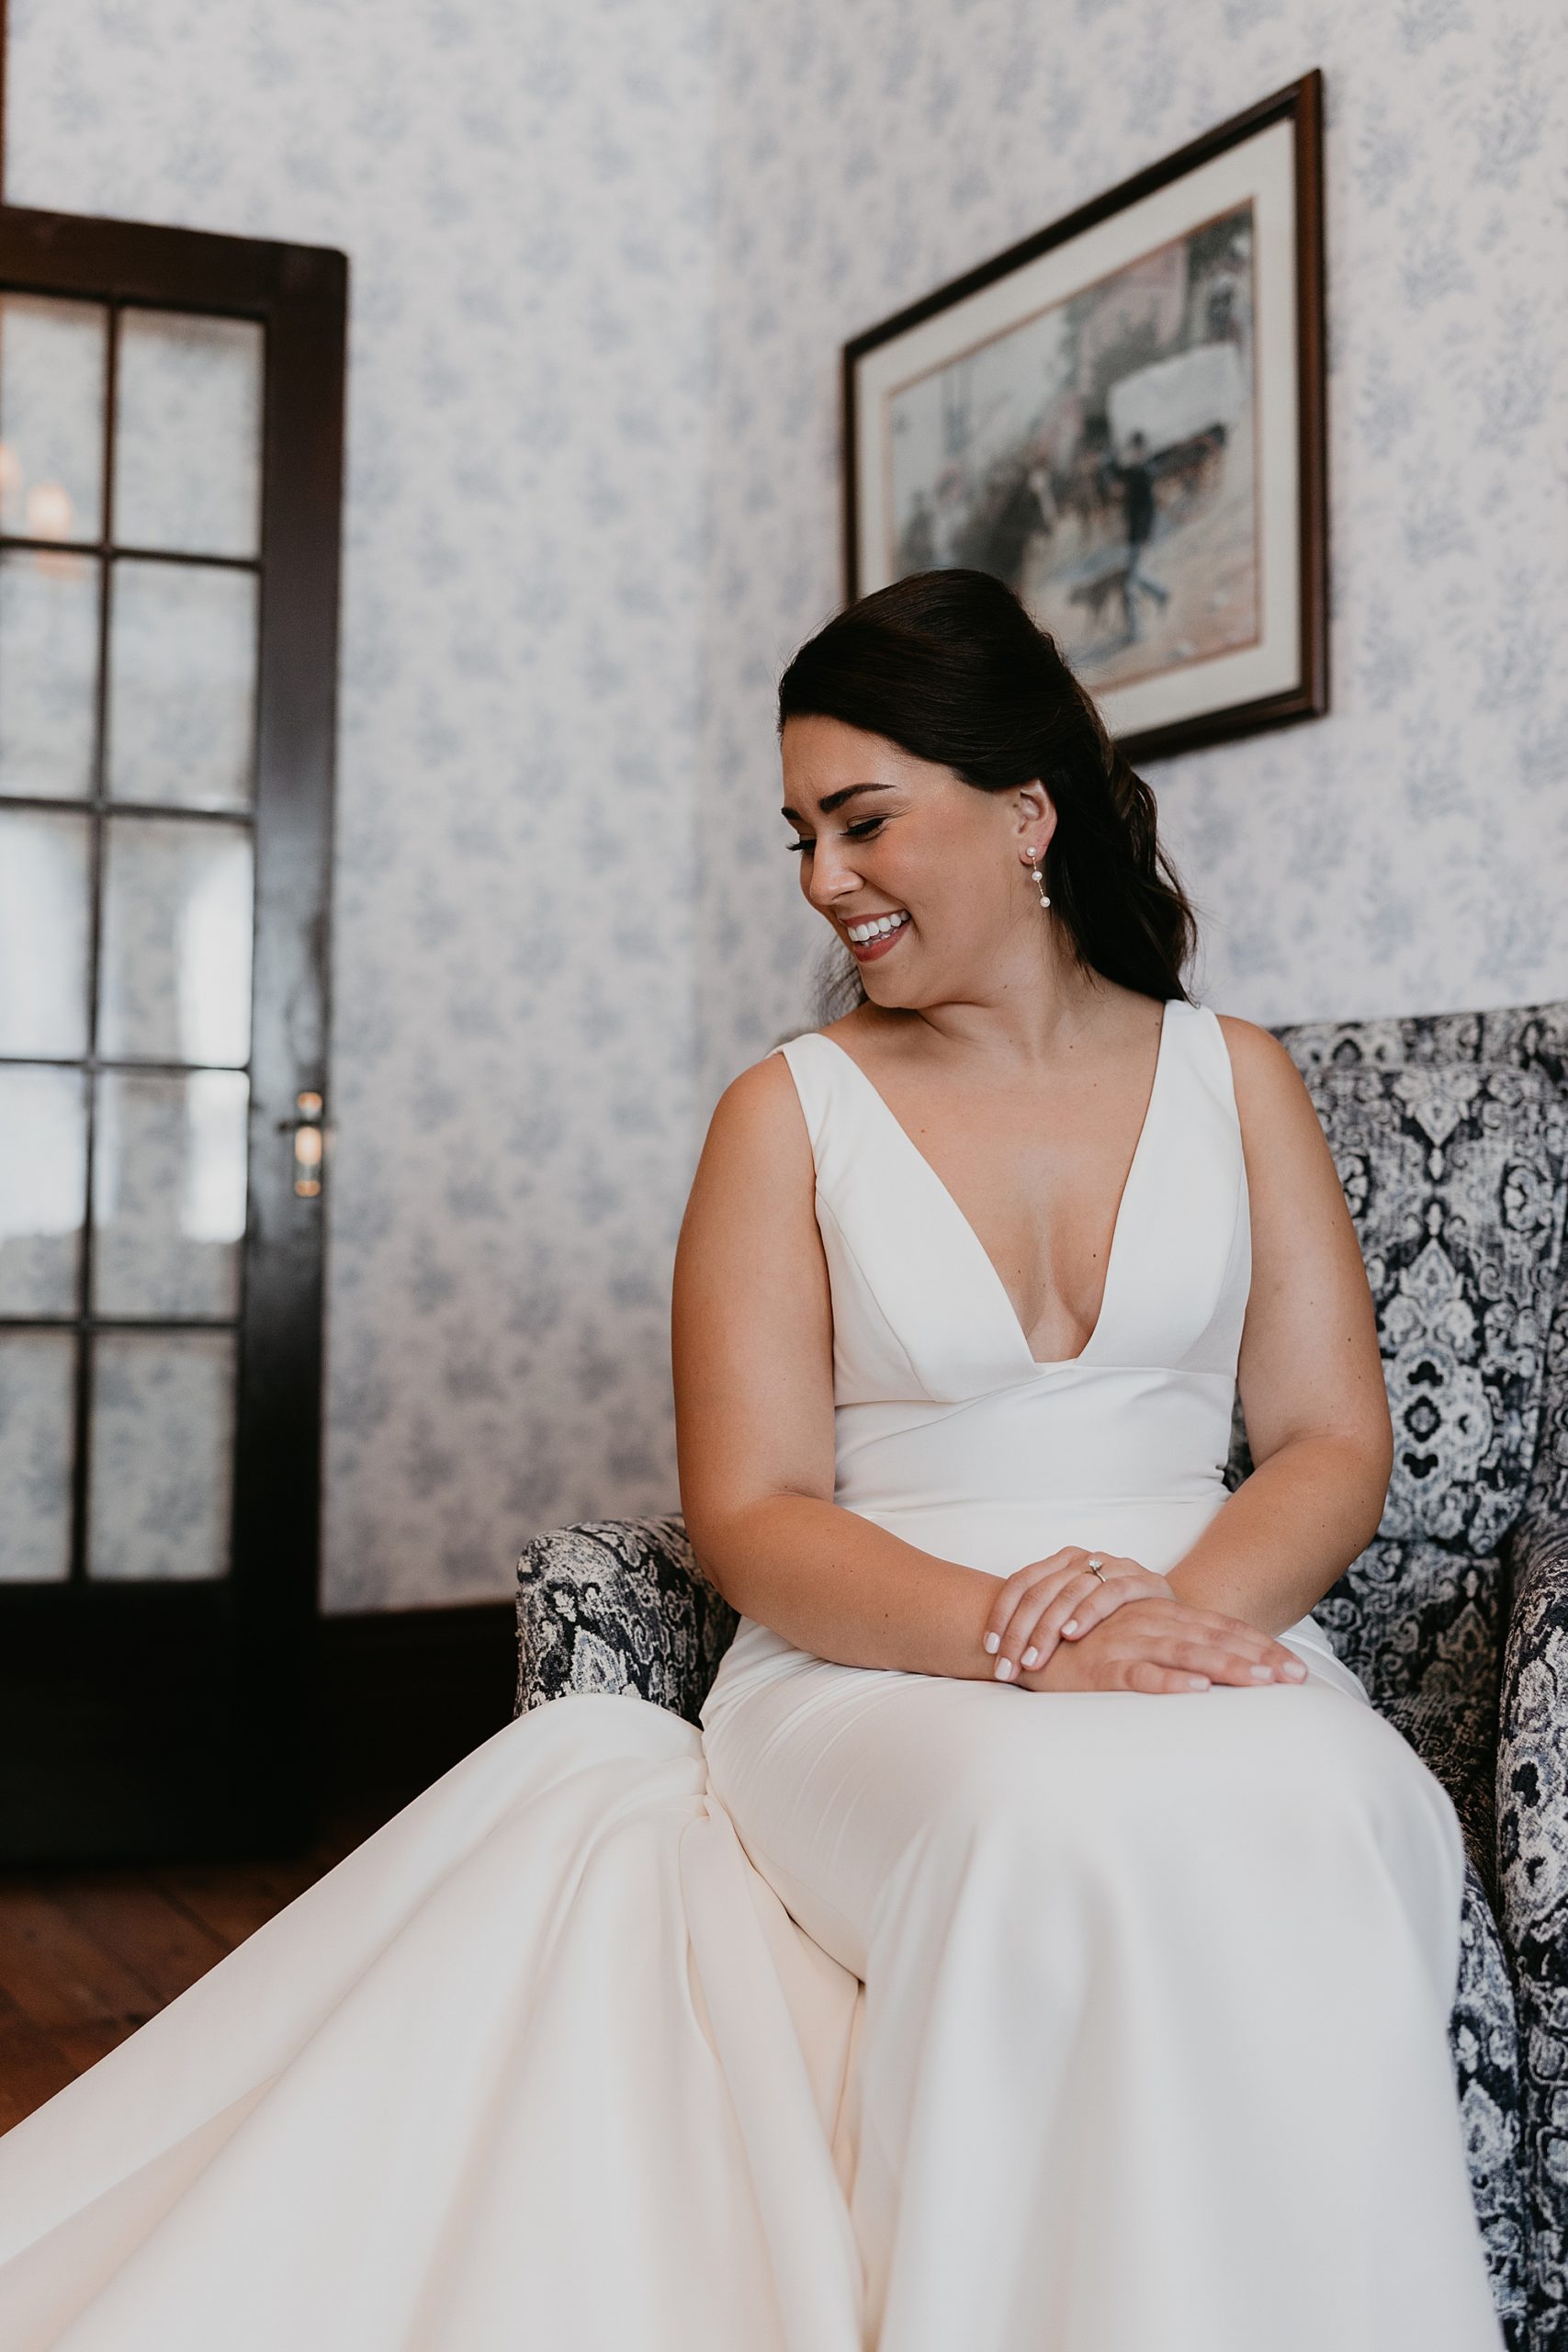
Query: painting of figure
(1123, 417)
(1100, 457)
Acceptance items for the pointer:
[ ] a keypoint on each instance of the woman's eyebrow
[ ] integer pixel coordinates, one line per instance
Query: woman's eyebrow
(832, 800)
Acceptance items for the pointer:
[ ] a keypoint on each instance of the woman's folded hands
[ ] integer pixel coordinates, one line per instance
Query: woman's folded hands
(1056, 1625)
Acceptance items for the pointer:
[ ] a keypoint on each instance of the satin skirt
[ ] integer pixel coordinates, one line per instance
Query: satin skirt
(884, 2014)
(1153, 2053)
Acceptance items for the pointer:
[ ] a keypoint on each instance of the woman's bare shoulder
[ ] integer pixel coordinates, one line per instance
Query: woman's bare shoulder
(1275, 1112)
(1259, 1060)
(752, 1202)
(759, 1116)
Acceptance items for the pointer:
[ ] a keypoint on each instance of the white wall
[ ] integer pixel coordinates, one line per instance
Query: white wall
(605, 254)
(1408, 852)
(525, 196)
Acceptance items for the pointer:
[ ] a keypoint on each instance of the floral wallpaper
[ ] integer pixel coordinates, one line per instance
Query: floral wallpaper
(603, 254)
(1407, 851)
(525, 196)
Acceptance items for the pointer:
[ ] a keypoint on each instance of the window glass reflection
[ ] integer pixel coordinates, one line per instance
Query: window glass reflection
(188, 434)
(49, 671)
(182, 685)
(37, 1383)
(176, 951)
(53, 359)
(44, 930)
(43, 1186)
(161, 1476)
(169, 1194)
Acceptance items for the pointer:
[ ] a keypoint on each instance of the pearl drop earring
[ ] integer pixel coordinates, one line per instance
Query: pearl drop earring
(1036, 876)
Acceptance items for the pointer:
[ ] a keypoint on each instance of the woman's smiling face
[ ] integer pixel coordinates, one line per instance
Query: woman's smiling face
(882, 834)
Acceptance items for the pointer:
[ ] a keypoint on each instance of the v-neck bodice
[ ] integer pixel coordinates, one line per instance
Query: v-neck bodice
(1135, 1176)
(948, 1430)
(920, 1314)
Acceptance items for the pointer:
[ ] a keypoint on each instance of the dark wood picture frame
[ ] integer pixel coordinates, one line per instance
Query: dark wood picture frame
(1307, 694)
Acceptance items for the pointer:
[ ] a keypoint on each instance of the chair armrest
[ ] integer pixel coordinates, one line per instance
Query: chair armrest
(1532, 1860)
(618, 1605)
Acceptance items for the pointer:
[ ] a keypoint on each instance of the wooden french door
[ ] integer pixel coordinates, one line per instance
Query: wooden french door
(171, 435)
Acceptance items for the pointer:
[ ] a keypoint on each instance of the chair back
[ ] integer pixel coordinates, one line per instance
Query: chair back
(1450, 1132)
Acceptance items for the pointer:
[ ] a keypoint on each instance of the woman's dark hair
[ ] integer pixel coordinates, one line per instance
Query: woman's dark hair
(949, 665)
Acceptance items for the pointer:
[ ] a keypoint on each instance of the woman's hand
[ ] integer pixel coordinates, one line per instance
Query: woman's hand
(1165, 1646)
(1057, 1602)
(1061, 1596)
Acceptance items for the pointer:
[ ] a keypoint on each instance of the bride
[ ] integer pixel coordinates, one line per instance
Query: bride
(1043, 1946)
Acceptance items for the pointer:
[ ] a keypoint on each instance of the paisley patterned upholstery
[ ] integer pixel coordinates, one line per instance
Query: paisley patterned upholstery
(618, 1604)
(1450, 1132)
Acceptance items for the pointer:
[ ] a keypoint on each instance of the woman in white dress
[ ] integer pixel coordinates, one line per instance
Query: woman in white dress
(1043, 1946)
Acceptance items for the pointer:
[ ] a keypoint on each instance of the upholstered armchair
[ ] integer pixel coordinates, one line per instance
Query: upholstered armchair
(1451, 1135)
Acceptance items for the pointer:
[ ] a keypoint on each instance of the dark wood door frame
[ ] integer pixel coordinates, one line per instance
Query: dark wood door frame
(72, 1649)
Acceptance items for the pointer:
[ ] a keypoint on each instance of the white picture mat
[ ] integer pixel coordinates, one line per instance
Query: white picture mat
(1261, 168)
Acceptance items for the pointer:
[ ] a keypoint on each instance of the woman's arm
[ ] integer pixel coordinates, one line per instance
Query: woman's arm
(1309, 1375)
(752, 1358)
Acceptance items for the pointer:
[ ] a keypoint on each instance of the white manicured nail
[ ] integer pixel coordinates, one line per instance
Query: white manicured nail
(993, 1643)
(1071, 1626)
(1030, 1656)
(1004, 1668)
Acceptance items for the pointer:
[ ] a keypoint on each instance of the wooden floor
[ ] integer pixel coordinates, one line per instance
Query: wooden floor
(87, 1956)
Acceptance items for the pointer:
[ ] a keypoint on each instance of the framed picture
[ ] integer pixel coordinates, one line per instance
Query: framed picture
(1124, 418)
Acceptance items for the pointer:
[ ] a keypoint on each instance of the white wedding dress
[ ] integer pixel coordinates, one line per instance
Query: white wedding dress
(886, 2011)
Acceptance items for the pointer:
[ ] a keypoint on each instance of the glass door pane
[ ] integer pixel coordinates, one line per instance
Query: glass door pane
(49, 671)
(188, 434)
(175, 964)
(43, 1189)
(53, 368)
(162, 1455)
(182, 685)
(38, 1387)
(169, 1194)
(128, 688)
(46, 924)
